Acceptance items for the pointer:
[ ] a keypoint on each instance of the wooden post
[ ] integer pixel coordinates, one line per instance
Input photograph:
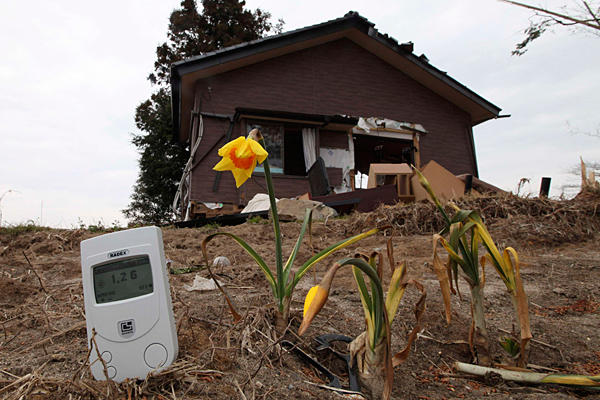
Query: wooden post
(418, 150)
(468, 183)
(545, 187)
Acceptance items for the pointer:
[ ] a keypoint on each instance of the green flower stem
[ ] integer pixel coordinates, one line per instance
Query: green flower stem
(280, 285)
(480, 334)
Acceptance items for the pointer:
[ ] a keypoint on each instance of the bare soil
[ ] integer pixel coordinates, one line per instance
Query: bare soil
(43, 349)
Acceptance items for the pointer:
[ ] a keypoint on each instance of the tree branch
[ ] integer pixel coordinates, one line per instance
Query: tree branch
(553, 13)
(594, 16)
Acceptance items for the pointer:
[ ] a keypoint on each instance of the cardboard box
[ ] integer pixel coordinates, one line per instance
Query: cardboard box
(397, 174)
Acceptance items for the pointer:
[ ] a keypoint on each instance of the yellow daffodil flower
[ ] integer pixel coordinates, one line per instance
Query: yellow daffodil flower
(240, 157)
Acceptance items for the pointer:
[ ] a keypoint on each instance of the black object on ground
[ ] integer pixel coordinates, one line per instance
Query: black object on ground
(325, 342)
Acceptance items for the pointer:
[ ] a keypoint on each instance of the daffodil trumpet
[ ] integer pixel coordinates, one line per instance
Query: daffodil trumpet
(241, 156)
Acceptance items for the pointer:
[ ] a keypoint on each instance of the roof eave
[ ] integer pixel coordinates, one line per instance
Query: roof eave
(491, 108)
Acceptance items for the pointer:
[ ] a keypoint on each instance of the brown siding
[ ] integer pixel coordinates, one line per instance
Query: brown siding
(203, 175)
(335, 176)
(333, 139)
(334, 78)
(289, 186)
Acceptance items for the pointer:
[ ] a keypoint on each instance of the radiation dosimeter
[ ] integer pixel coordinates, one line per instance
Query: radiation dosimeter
(128, 304)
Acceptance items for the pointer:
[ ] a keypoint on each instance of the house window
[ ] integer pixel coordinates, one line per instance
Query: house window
(284, 144)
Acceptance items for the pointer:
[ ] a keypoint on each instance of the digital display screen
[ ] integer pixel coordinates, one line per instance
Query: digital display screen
(123, 279)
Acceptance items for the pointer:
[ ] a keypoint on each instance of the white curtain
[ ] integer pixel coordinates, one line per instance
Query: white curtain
(309, 145)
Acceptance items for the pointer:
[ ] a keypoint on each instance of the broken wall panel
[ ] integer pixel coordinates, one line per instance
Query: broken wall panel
(333, 139)
(444, 183)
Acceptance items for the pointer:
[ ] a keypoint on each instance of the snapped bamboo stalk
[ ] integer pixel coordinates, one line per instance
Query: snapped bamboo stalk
(589, 382)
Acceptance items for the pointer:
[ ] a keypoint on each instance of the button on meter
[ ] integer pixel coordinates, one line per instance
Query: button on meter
(128, 303)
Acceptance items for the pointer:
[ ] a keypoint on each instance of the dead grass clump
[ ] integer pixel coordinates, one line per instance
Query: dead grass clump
(211, 354)
(35, 385)
(528, 220)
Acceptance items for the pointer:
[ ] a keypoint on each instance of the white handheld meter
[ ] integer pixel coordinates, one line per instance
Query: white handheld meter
(128, 303)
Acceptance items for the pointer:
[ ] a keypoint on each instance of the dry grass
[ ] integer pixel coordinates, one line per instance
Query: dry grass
(43, 343)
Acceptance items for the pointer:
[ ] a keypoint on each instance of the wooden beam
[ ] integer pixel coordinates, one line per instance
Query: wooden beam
(416, 140)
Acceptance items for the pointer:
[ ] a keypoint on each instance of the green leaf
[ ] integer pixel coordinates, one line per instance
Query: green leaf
(305, 225)
(263, 266)
(510, 345)
(377, 297)
(365, 299)
(325, 253)
(362, 287)
(460, 216)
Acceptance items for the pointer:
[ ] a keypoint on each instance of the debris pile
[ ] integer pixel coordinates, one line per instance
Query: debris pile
(531, 220)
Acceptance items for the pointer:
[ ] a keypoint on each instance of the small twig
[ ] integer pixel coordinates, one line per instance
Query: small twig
(9, 374)
(541, 344)
(95, 346)
(35, 273)
(264, 353)
(420, 335)
(457, 376)
(431, 362)
(79, 325)
(83, 365)
(335, 389)
(208, 321)
(3, 345)
(240, 389)
(15, 383)
(535, 366)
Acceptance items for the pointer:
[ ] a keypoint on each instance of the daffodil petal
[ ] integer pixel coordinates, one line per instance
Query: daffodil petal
(310, 296)
(224, 165)
(240, 176)
(224, 151)
(261, 153)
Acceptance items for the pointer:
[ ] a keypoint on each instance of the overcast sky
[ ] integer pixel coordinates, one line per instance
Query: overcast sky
(72, 73)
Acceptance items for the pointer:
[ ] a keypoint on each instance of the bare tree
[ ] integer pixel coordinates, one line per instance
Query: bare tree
(580, 15)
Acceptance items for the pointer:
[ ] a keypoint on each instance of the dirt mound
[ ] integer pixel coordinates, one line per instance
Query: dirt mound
(43, 342)
(531, 220)
(42, 241)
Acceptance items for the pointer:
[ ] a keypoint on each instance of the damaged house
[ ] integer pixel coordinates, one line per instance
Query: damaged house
(314, 92)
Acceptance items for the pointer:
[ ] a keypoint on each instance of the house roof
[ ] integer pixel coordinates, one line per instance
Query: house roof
(351, 26)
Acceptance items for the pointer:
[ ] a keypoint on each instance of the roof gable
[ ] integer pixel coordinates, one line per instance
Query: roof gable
(353, 27)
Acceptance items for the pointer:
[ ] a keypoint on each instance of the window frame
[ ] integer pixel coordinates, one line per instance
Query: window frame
(251, 122)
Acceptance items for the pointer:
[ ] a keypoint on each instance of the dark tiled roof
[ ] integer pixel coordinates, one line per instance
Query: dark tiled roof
(352, 19)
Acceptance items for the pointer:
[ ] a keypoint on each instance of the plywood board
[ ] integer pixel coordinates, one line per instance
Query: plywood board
(445, 185)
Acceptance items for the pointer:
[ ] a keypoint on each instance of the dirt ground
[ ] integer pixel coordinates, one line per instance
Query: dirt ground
(43, 339)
